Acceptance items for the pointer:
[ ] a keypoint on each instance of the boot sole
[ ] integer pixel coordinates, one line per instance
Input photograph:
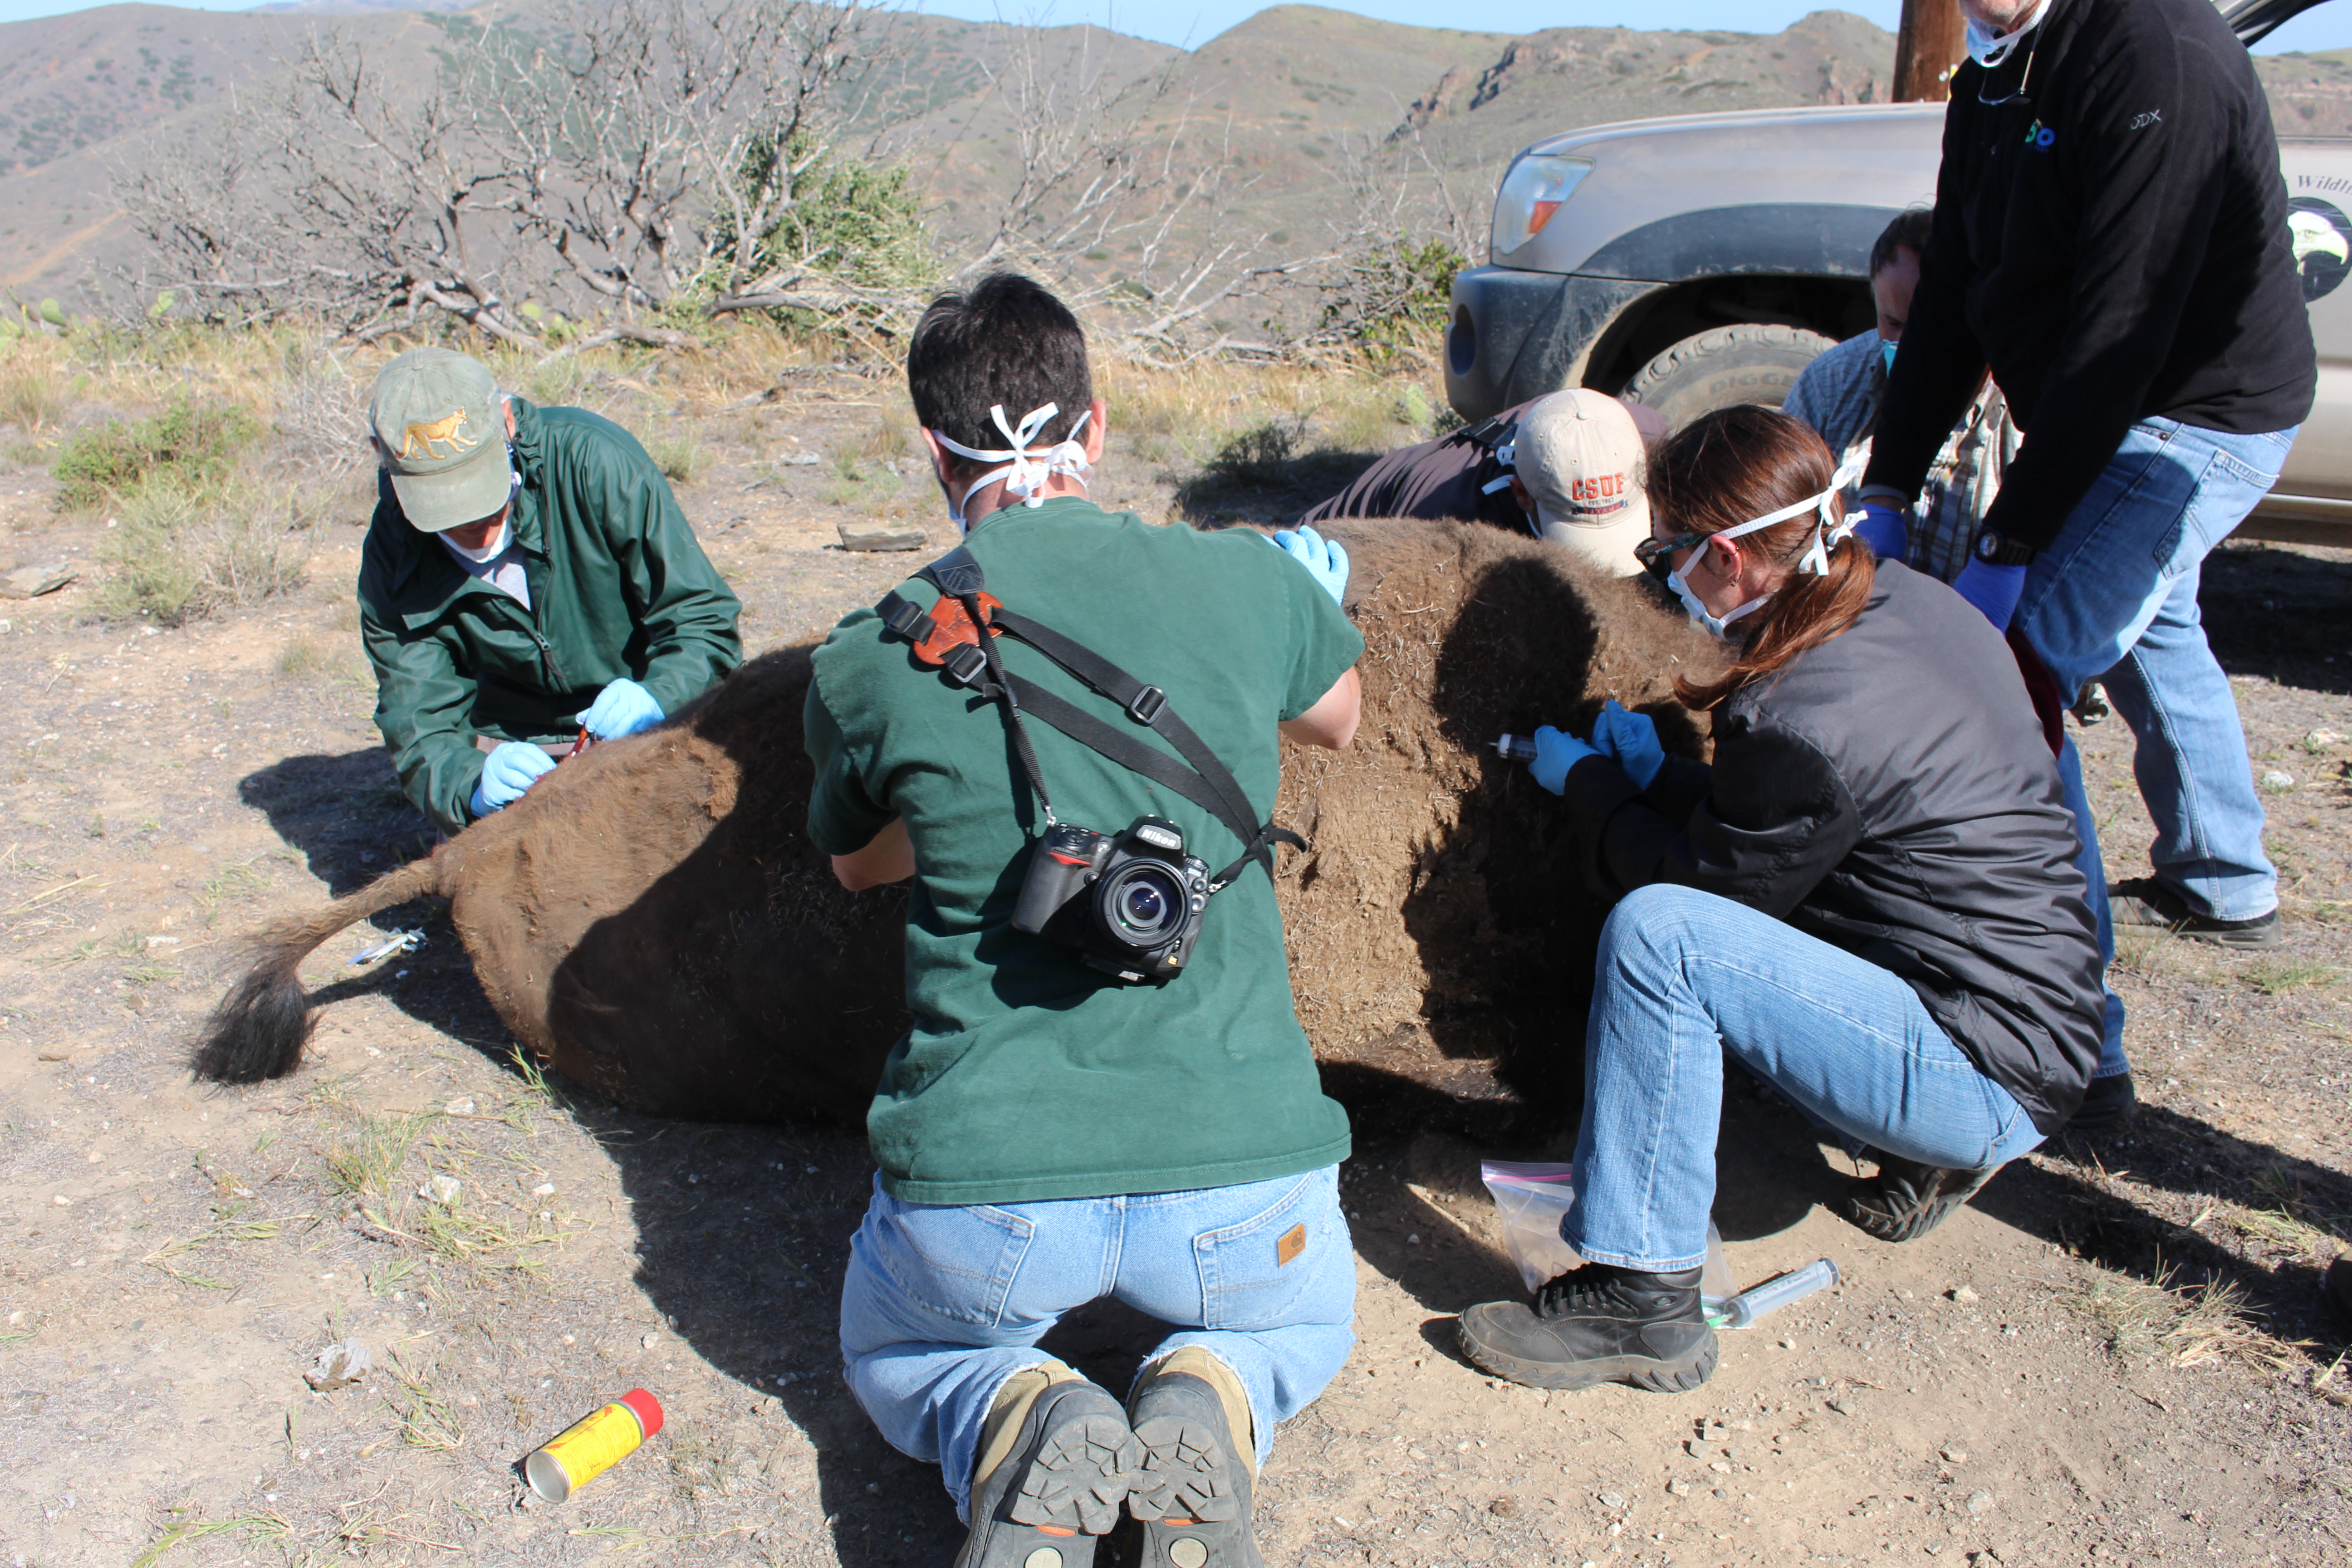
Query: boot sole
(1078, 1478)
(1191, 1503)
(1679, 1375)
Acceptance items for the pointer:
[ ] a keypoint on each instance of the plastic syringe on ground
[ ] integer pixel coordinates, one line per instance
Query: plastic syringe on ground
(1774, 1294)
(1518, 748)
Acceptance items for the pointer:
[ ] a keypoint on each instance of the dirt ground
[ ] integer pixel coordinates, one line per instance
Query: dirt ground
(2118, 1354)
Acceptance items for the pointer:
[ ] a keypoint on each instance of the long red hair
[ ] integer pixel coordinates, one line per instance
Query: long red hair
(1732, 466)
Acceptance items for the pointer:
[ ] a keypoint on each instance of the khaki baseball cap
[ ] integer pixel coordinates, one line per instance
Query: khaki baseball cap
(441, 433)
(1580, 455)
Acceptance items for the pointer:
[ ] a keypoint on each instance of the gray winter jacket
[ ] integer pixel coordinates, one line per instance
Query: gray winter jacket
(1891, 793)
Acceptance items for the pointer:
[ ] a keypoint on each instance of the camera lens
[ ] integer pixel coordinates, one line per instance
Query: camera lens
(1144, 902)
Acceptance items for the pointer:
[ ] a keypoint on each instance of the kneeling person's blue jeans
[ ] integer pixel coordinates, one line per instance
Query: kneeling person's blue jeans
(944, 1303)
(1685, 975)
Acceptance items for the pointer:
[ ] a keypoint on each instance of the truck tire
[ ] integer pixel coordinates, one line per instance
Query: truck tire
(1751, 362)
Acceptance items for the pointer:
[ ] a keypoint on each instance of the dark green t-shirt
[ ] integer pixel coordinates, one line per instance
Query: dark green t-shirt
(1028, 1076)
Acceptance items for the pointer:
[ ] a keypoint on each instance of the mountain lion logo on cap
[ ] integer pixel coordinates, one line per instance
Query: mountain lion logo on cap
(443, 430)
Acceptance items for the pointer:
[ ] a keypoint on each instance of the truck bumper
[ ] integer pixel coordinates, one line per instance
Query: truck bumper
(1516, 335)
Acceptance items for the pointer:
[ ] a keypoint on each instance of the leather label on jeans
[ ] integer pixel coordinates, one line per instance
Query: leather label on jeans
(1293, 1243)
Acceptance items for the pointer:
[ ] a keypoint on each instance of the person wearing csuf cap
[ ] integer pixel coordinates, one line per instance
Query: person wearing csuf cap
(1577, 483)
(527, 576)
(1578, 459)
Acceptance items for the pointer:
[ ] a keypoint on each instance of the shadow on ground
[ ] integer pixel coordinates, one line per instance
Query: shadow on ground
(1261, 475)
(2280, 613)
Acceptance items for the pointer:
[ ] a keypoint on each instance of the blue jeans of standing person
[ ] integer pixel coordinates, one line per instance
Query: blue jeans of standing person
(944, 1303)
(2113, 1063)
(2115, 597)
(1684, 976)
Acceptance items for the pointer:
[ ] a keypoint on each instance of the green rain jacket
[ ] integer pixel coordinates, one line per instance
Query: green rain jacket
(619, 589)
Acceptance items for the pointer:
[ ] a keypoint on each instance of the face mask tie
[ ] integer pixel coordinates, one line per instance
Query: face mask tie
(1828, 533)
(1025, 468)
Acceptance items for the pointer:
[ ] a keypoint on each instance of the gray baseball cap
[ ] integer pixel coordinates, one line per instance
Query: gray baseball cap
(441, 432)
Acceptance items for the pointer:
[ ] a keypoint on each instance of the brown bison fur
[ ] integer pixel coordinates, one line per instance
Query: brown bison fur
(651, 920)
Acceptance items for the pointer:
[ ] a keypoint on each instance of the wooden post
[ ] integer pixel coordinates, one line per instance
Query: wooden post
(1928, 45)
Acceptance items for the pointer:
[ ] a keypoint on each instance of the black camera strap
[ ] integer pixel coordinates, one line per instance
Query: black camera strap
(1207, 782)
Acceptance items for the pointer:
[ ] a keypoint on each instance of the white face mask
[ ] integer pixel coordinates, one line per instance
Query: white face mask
(1828, 535)
(498, 541)
(1025, 467)
(1988, 49)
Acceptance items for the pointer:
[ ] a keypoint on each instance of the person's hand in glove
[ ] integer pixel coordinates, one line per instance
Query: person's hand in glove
(623, 708)
(1993, 589)
(1885, 527)
(1326, 558)
(1556, 752)
(1629, 739)
(505, 773)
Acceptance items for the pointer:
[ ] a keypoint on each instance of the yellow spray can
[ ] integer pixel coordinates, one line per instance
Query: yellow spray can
(588, 1448)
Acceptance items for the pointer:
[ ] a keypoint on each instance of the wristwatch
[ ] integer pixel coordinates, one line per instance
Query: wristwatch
(1995, 550)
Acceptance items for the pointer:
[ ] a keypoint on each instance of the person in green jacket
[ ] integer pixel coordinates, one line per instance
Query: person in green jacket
(527, 575)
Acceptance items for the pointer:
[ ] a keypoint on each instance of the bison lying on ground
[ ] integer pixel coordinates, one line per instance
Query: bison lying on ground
(651, 921)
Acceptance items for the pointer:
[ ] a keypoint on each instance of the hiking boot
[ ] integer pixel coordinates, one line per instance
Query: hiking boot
(1598, 1324)
(2107, 1109)
(2091, 704)
(1060, 1480)
(1907, 1200)
(2145, 901)
(1190, 1502)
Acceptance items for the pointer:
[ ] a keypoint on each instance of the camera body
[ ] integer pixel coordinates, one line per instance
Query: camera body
(1131, 903)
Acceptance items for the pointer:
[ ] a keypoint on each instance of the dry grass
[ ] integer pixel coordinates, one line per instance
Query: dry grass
(2188, 1324)
(681, 458)
(34, 392)
(178, 553)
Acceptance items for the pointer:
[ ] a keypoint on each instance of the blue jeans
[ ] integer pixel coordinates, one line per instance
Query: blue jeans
(2113, 1063)
(944, 1303)
(2115, 597)
(1685, 975)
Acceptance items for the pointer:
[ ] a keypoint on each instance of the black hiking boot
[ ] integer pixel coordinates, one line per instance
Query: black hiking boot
(1058, 1489)
(2107, 1109)
(2145, 901)
(1595, 1325)
(1192, 1492)
(1907, 1200)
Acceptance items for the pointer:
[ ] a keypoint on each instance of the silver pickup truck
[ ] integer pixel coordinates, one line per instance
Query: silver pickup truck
(1694, 262)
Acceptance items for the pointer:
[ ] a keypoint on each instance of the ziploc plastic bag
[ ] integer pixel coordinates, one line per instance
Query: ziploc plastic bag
(1530, 1199)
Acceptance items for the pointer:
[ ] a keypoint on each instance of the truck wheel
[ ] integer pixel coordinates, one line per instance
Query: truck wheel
(1751, 362)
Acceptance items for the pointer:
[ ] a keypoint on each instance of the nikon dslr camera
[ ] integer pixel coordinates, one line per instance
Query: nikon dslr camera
(1131, 905)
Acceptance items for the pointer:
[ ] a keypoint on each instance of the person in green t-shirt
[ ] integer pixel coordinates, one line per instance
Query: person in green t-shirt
(1048, 1133)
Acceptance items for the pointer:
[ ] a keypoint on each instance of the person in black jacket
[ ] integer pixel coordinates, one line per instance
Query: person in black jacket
(1871, 898)
(2111, 238)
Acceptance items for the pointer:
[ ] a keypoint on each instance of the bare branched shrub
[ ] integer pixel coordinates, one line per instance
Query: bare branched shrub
(1408, 229)
(588, 160)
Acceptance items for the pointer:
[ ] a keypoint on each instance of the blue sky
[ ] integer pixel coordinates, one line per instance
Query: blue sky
(1196, 21)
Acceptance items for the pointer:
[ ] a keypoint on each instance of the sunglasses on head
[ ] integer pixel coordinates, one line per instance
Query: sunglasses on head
(1655, 554)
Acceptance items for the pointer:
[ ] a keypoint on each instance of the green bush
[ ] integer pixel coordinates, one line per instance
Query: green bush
(1260, 455)
(1393, 296)
(193, 442)
(846, 222)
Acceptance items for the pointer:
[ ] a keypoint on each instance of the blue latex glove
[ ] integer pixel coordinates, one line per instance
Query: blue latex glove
(1326, 558)
(1556, 752)
(505, 773)
(1884, 527)
(1629, 739)
(1993, 589)
(623, 708)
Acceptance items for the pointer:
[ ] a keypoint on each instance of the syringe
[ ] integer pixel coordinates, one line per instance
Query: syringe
(1518, 748)
(1774, 1294)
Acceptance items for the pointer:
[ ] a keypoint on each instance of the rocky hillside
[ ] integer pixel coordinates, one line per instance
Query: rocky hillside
(1307, 99)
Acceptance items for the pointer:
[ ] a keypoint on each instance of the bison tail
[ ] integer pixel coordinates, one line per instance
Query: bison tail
(259, 1030)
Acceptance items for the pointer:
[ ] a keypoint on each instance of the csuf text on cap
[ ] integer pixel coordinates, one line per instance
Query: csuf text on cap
(1581, 456)
(440, 431)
